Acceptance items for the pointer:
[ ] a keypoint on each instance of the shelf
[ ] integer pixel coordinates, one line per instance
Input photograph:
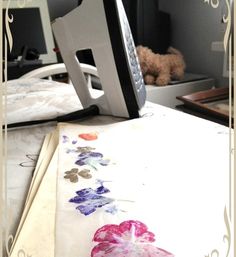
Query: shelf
(167, 95)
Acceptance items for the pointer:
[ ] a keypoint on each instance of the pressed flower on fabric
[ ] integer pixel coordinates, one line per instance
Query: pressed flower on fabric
(92, 159)
(87, 155)
(84, 149)
(85, 136)
(65, 139)
(80, 149)
(89, 136)
(130, 239)
(89, 200)
(112, 209)
(74, 174)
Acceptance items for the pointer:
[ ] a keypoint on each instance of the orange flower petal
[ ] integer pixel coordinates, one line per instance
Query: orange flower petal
(88, 136)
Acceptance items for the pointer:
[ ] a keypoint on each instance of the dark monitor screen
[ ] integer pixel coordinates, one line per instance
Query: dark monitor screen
(150, 27)
(27, 30)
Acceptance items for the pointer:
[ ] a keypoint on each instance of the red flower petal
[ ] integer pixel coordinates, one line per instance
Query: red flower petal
(108, 233)
(88, 136)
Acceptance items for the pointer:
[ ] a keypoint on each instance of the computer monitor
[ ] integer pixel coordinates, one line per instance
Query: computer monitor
(30, 28)
(102, 26)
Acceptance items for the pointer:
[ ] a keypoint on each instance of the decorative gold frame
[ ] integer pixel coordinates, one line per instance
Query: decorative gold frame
(228, 213)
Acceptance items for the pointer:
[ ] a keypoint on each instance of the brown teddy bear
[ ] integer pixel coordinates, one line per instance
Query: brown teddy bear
(161, 69)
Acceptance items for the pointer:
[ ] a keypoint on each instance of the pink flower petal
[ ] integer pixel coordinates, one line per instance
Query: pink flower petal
(128, 250)
(153, 251)
(101, 249)
(138, 227)
(108, 233)
(110, 250)
(146, 237)
(129, 239)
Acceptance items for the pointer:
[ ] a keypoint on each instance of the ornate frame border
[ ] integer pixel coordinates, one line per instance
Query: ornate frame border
(229, 214)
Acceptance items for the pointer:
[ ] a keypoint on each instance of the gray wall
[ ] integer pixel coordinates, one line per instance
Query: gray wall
(59, 8)
(195, 25)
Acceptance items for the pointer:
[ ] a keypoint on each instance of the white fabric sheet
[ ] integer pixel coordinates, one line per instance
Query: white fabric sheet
(188, 159)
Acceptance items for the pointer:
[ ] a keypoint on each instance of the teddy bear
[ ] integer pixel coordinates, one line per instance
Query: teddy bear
(160, 69)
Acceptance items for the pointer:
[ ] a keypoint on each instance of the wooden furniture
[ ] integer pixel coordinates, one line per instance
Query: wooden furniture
(213, 104)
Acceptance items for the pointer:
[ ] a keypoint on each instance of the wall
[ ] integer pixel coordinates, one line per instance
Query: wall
(195, 25)
(59, 8)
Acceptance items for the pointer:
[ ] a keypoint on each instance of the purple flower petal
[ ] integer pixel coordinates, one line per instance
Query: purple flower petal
(65, 139)
(91, 206)
(86, 210)
(84, 155)
(81, 199)
(94, 154)
(91, 199)
(102, 190)
(111, 209)
(85, 191)
(80, 162)
(92, 159)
